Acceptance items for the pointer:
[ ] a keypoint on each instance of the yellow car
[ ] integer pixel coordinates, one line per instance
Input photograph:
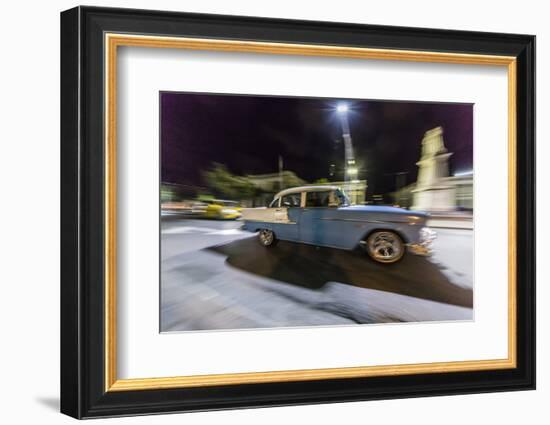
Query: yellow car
(222, 210)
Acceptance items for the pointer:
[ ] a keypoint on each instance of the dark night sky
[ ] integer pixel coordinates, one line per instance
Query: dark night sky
(248, 133)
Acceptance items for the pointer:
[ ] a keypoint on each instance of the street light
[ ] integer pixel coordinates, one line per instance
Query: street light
(349, 158)
(342, 108)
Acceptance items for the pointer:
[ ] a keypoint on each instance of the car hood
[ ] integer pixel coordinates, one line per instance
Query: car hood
(384, 209)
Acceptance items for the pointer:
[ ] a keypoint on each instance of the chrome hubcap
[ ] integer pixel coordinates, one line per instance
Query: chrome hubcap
(385, 246)
(266, 237)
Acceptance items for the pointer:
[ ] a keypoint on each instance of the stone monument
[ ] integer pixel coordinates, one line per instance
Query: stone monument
(432, 191)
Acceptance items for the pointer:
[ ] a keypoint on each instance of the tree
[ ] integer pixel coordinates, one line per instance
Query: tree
(322, 181)
(222, 182)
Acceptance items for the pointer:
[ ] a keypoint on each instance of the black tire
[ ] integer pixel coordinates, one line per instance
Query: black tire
(267, 237)
(385, 246)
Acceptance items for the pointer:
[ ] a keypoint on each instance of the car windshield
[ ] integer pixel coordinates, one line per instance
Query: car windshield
(291, 200)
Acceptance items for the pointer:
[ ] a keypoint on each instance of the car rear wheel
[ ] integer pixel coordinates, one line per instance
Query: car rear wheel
(385, 246)
(267, 237)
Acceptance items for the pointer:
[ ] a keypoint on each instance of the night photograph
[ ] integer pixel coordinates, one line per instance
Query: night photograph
(295, 212)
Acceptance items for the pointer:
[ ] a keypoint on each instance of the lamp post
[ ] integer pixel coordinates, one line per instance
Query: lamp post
(350, 169)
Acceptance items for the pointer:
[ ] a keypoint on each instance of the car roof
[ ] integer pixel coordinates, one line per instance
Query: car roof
(306, 189)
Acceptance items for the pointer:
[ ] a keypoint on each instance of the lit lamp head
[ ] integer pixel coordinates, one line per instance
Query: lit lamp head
(342, 108)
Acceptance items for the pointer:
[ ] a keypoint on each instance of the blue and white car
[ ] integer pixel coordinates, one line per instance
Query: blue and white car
(323, 216)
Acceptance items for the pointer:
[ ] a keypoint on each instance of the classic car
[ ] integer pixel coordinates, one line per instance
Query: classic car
(323, 216)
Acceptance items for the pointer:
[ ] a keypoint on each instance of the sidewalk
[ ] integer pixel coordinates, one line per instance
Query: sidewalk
(451, 221)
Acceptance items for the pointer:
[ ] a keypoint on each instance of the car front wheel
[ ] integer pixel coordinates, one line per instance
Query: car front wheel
(385, 246)
(267, 237)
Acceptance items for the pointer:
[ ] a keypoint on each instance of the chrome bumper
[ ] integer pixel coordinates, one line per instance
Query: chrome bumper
(423, 246)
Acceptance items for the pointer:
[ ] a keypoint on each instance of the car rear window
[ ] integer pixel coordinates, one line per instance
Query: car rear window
(318, 199)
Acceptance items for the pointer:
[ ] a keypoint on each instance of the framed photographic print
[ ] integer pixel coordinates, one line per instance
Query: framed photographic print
(261, 212)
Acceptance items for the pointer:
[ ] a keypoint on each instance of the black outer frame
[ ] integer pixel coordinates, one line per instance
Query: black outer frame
(82, 219)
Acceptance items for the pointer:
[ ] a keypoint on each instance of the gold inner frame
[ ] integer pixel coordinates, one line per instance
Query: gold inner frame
(113, 41)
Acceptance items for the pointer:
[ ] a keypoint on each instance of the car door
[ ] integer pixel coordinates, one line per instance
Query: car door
(314, 229)
(287, 217)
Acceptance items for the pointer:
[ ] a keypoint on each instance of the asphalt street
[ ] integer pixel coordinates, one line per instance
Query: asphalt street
(215, 276)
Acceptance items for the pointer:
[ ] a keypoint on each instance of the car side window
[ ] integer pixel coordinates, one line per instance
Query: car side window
(317, 199)
(291, 201)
